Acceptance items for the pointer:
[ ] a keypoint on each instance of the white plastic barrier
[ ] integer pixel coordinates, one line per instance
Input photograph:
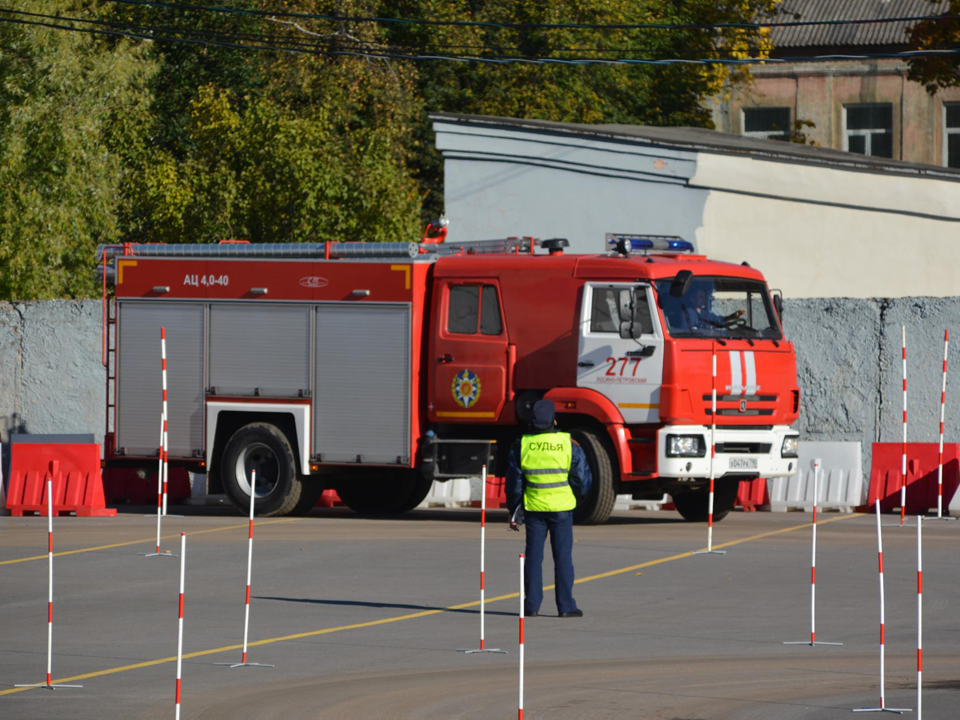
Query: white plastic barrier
(841, 479)
(626, 502)
(451, 493)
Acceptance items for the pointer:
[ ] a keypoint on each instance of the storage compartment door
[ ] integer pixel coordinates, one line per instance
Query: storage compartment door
(139, 396)
(255, 347)
(362, 405)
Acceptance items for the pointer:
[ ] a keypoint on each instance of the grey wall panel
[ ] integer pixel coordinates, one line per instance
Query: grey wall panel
(139, 386)
(362, 404)
(256, 345)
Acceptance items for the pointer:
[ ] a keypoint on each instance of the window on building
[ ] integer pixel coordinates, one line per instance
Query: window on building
(951, 135)
(772, 123)
(869, 129)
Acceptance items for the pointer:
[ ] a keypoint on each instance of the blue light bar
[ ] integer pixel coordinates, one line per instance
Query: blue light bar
(627, 243)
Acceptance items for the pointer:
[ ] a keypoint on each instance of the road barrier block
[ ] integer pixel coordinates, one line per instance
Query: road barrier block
(75, 470)
(752, 495)
(922, 464)
(329, 499)
(448, 494)
(841, 479)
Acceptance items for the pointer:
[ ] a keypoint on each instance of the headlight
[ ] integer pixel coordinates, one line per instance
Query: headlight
(685, 446)
(790, 446)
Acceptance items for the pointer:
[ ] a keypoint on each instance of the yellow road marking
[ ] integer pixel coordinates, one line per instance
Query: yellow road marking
(411, 616)
(141, 542)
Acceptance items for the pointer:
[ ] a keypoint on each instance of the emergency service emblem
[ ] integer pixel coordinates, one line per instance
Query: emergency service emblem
(466, 388)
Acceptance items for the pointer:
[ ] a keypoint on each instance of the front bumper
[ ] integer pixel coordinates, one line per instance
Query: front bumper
(738, 453)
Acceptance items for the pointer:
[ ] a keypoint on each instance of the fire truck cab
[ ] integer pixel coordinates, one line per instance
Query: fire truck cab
(377, 369)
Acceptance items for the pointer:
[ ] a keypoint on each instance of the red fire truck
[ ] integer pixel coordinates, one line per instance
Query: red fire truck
(377, 368)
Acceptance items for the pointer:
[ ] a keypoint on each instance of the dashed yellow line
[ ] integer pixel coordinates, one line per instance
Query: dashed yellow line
(141, 542)
(398, 618)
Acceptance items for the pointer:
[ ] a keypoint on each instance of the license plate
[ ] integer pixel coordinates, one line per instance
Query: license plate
(738, 463)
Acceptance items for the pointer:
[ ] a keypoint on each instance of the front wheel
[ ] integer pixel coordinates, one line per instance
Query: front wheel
(693, 505)
(597, 506)
(263, 448)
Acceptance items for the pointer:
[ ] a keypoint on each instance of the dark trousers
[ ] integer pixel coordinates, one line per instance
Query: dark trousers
(560, 527)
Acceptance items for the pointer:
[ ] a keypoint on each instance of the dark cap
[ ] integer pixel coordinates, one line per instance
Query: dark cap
(543, 415)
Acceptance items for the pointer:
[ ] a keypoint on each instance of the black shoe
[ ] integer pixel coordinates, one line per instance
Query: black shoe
(575, 613)
(531, 614)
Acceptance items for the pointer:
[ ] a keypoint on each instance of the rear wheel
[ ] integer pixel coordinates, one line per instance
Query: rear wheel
(264, 449)
(596, 507)
(693, 505)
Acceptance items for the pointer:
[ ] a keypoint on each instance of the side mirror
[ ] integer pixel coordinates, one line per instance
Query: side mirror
(681, 283)
(626, 314)
(778, 303)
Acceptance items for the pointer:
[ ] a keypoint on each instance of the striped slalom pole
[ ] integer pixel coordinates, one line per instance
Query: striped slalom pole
(160, 465)
(882, 707)
(903, 465)
(49, 683)
(943, 403)
(522, 600)
(483, 545)
(919, 615)
(183, 564)
(163, 372)
(813, 567)
(246, 618)
(713, 454)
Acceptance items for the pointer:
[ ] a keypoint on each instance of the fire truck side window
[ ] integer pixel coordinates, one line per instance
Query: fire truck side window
(605, 314)
(490, 323)
(463, 312)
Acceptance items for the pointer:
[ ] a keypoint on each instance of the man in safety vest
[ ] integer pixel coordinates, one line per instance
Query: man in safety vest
(546, 474)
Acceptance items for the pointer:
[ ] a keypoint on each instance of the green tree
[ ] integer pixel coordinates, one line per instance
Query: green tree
(66, 99)
(937, 71)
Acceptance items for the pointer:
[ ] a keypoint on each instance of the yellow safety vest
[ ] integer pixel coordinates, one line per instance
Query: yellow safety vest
(545, 460)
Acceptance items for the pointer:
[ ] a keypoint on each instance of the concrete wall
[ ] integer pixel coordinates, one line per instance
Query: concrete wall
(51, 379)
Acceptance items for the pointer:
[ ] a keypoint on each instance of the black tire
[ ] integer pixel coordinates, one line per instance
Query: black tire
(421, 486)
(693, 505)
(263, 447)
(596, 507)
(309, 495)
(385, 494)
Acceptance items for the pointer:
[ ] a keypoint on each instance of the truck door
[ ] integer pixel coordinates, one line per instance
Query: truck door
(468, 352)
(629, 372)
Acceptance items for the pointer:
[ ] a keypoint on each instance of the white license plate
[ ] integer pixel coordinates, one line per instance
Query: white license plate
(741, 463)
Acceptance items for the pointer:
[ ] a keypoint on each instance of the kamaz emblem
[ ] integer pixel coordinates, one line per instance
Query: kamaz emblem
(466, 388)
(743, 406)
(314, 282)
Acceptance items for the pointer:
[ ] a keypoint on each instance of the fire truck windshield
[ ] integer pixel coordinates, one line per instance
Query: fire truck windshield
(719, 307)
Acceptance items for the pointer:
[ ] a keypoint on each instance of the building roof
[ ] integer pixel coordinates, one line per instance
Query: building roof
(712, 141)
(867, 35)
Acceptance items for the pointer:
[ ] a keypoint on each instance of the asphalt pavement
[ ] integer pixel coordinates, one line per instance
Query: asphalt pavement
(366, 618)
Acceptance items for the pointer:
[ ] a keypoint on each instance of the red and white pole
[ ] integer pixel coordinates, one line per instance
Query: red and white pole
(522, 600)
(903, 467)
(49, 579)
(882, 708)
(49, 684)
(163, 434)
(943, 403)
(483, 550)
(183, 564)
(919, 615)
(813, 565)
(246, 618)
(713, 453)
(163, 372)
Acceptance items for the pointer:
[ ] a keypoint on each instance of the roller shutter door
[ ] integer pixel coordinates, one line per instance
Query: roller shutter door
(260, 347)
(362, 405)
(139, 397)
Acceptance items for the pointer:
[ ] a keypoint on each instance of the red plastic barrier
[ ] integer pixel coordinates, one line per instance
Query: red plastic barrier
(496, 494)
(752, 493)
(124, 485)
(921, 476)
(77, 484)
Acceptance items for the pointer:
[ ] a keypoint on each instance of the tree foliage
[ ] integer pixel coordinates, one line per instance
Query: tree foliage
(107, 140)
(936, 72)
